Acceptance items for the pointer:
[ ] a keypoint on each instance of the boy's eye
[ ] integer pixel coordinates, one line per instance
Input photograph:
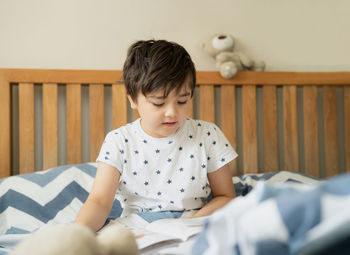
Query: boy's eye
(158, 105)
(182, 102)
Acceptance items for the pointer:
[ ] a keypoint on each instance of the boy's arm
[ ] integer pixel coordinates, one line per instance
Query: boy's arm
(99, 203)
(222, 190)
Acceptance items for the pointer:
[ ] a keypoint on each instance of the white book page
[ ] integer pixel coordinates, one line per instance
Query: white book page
(161, 231)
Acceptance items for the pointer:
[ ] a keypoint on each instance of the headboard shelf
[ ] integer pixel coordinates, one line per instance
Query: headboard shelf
(203, 77)
(298, 121)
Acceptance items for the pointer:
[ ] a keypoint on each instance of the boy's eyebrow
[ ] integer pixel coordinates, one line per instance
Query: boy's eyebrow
(163, 97)
(185, 94)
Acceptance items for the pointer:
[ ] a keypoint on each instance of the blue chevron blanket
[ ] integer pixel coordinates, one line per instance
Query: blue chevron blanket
(31, 201)
(282, 219)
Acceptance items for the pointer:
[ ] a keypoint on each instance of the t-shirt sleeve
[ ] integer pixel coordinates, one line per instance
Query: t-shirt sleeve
(220, 151)
(109, 151)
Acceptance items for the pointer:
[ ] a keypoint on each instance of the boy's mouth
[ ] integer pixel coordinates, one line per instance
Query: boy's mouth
(169, 124)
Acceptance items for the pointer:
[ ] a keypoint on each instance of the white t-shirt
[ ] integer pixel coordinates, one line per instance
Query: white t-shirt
(170, 173)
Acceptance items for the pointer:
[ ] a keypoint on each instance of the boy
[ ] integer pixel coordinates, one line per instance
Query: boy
(163, 161)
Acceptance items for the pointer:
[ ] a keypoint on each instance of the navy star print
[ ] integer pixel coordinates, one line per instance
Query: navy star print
(148, 160)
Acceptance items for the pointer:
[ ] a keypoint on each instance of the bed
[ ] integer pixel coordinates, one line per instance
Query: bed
(285, 126)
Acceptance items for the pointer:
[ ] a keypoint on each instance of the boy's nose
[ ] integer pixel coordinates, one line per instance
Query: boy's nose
(170, 111)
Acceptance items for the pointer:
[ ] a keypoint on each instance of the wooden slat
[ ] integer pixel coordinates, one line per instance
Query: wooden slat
(136, 114)
(190, 112)
(290, 128)
(73, 128)
(270, 128)
(228, 119)
(347, 126)
(311, 145)
(330, 130)
(5, 128)
(50, 126)
(249, 129)
(206, 103)
(96, 98)
(26, 128)
(119, 105)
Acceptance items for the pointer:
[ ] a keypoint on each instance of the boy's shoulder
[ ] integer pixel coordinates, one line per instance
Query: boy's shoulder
(201, 126)
(124, 131)
(201, 123)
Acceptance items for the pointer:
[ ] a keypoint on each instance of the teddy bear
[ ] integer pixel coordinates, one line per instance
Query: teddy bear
(228, 60)
(74, 239)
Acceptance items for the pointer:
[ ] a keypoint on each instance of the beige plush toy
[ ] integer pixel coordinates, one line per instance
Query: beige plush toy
(74, 239)
(228, 60)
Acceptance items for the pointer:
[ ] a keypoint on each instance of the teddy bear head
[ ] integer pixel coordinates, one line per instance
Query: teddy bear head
(219, 43)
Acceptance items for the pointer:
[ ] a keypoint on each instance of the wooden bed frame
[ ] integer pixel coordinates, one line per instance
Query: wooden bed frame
(296, 121)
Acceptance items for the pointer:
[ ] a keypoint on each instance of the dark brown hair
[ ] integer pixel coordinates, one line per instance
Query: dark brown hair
(157, 65)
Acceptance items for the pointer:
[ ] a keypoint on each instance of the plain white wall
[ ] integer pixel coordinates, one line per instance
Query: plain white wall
(298, 35)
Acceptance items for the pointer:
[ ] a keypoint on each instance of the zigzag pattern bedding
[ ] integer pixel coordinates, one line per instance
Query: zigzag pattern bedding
(31, 201)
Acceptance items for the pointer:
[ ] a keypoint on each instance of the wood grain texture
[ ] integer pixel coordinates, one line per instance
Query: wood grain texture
(270, 128)
(5, 128)
(249, 128)
(203, 77)
(207, 103)
(228, 119)
(96, 99)
(50, 125)
(190, 111)
(311, 130)
(26, 128)
(331, 130)
(73, 123)
(286, 80)
(347, 126)
(119, 105)
(290, 129)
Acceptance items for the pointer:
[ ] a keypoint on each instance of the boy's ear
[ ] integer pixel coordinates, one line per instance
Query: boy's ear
(133, 104)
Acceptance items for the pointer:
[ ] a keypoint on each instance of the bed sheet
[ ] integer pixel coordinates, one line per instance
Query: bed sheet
(32, 201)
(286, 218)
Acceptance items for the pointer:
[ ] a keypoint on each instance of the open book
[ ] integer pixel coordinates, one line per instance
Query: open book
(162, 232)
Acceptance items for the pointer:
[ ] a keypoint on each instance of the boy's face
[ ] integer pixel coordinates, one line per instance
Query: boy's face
(162, 117)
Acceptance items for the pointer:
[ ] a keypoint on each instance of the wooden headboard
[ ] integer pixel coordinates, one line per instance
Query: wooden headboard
(297, 121)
